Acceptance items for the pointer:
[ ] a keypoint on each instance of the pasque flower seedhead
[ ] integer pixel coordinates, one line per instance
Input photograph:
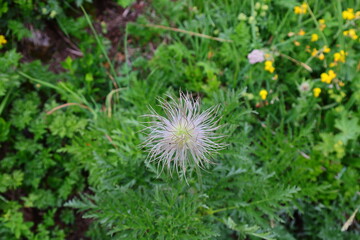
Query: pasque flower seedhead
(184, 136)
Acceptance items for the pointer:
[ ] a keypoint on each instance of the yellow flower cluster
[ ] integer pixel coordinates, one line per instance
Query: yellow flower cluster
(326, 49)
(269, 66)
(340, 56)
(314, 37)
(322, 24)
(2, 40)
(328, 77)
(314, 52)
(348, 14)
(316, 92)
(351, 33)
(320, 54)
(263, 94)
(300, 33)
(302, 9)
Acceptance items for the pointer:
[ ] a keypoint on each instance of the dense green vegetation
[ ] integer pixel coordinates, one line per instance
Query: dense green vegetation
(77, 78)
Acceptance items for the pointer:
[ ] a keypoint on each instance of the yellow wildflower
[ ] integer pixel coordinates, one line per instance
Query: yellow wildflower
(2, 40)
(296, 43)
(302, 9)
(326, 49)
(322, 24)
(269, 67)
(301, 32)
(337, 57)
(314, 37)
(328, 77)
(316, 92)
(304, 6)
(314, 52)
(348, 14)
(263, 94)
(341, 84)
(340, 56)
(332, 74)
(351, 33)
(297, 10)
(320, 54)
(325, 78)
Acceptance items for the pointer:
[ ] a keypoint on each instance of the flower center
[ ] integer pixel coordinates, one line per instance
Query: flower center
(182, 135)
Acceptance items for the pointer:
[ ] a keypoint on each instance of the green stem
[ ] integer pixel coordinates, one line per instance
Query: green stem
(112, 69)
(46, 84)
(221, 210)
(210, 212)
(62, 90)
(253, 32)
(339, 16)
(281, 26)
(4, 101)
(317, 25)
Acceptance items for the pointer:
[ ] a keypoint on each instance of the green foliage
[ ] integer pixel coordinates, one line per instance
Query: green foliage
(14, 222)
(8, 78)
(146, 206)
(67, 126)
(125, 3)
(145, 214)
(4, 130)
(12, 181)
(4, 7)
(18, 29)
(32, 172)
(71, 142)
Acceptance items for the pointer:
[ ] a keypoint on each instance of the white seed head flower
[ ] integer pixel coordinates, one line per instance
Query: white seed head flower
(304, 87)
(184, 136)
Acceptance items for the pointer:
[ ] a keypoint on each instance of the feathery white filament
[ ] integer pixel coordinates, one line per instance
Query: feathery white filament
(184, 135)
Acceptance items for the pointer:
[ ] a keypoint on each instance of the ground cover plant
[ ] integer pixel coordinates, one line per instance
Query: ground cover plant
(179, 119)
